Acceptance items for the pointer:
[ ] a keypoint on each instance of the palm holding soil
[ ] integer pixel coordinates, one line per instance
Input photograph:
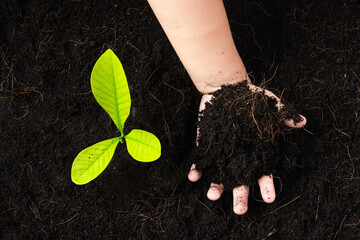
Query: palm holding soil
(265, 182)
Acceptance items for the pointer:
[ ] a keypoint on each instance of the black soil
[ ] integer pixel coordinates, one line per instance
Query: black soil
(239, 134)
(307, 52)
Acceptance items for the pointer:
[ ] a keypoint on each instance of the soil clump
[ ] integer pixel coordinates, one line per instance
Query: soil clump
(240, 136)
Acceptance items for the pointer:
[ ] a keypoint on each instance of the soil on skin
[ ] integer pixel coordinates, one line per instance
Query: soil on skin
(239, 134)
(307, 52)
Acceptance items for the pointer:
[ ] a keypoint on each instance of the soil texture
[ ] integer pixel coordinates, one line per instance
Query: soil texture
(306, 52)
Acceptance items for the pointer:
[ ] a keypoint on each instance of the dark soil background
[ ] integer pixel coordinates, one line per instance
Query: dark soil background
(306, 51)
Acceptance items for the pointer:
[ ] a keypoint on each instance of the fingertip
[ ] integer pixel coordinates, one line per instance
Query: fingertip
(194, 174)
(267, 189)
(241, 210)
(291, 123)
(270, 199)
(303, 120)
(215, 191)
(240, 195)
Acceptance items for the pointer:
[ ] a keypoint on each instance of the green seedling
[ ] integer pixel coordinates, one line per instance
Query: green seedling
(111, 91)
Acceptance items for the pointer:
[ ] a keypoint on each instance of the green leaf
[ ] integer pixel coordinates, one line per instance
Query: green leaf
(110, 88)
(143, 146)
(91, 161)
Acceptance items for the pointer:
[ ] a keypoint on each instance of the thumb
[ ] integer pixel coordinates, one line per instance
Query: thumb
(291, 123)
(288, 122)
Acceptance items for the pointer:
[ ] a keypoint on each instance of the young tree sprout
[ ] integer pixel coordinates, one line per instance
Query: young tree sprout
(111, 91)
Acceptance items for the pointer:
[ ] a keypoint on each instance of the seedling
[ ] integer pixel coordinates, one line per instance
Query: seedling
(111, 91)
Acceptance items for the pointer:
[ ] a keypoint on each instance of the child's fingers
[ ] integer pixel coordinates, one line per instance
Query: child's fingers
(240, 203)
(288, 122)
(215, 191)
(292, 124)
(267, 189)
(194, 174)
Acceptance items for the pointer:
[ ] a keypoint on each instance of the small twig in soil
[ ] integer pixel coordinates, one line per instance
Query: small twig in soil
(164, 208)
(251, 28)
(317, 208)
(341, 224)
(307, 131)
(352, 178)
(281, 206)
(352, 162)
(182, 95)
(342, 132)
(271, 233)
(79, 42)
(281, 185)
(67, 220)
(325, 179)
(132, 46)
(209, 144)
(18, 118)
(273, 75)
(178, 210)
(8, 210)
(203, 204)
(253, 196)
(167, 129)
(352, 224)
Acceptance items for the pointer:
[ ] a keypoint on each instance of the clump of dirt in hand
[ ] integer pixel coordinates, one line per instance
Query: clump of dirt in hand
(239, 134)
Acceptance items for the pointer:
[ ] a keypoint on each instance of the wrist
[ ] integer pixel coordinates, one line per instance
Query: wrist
(212, 84)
